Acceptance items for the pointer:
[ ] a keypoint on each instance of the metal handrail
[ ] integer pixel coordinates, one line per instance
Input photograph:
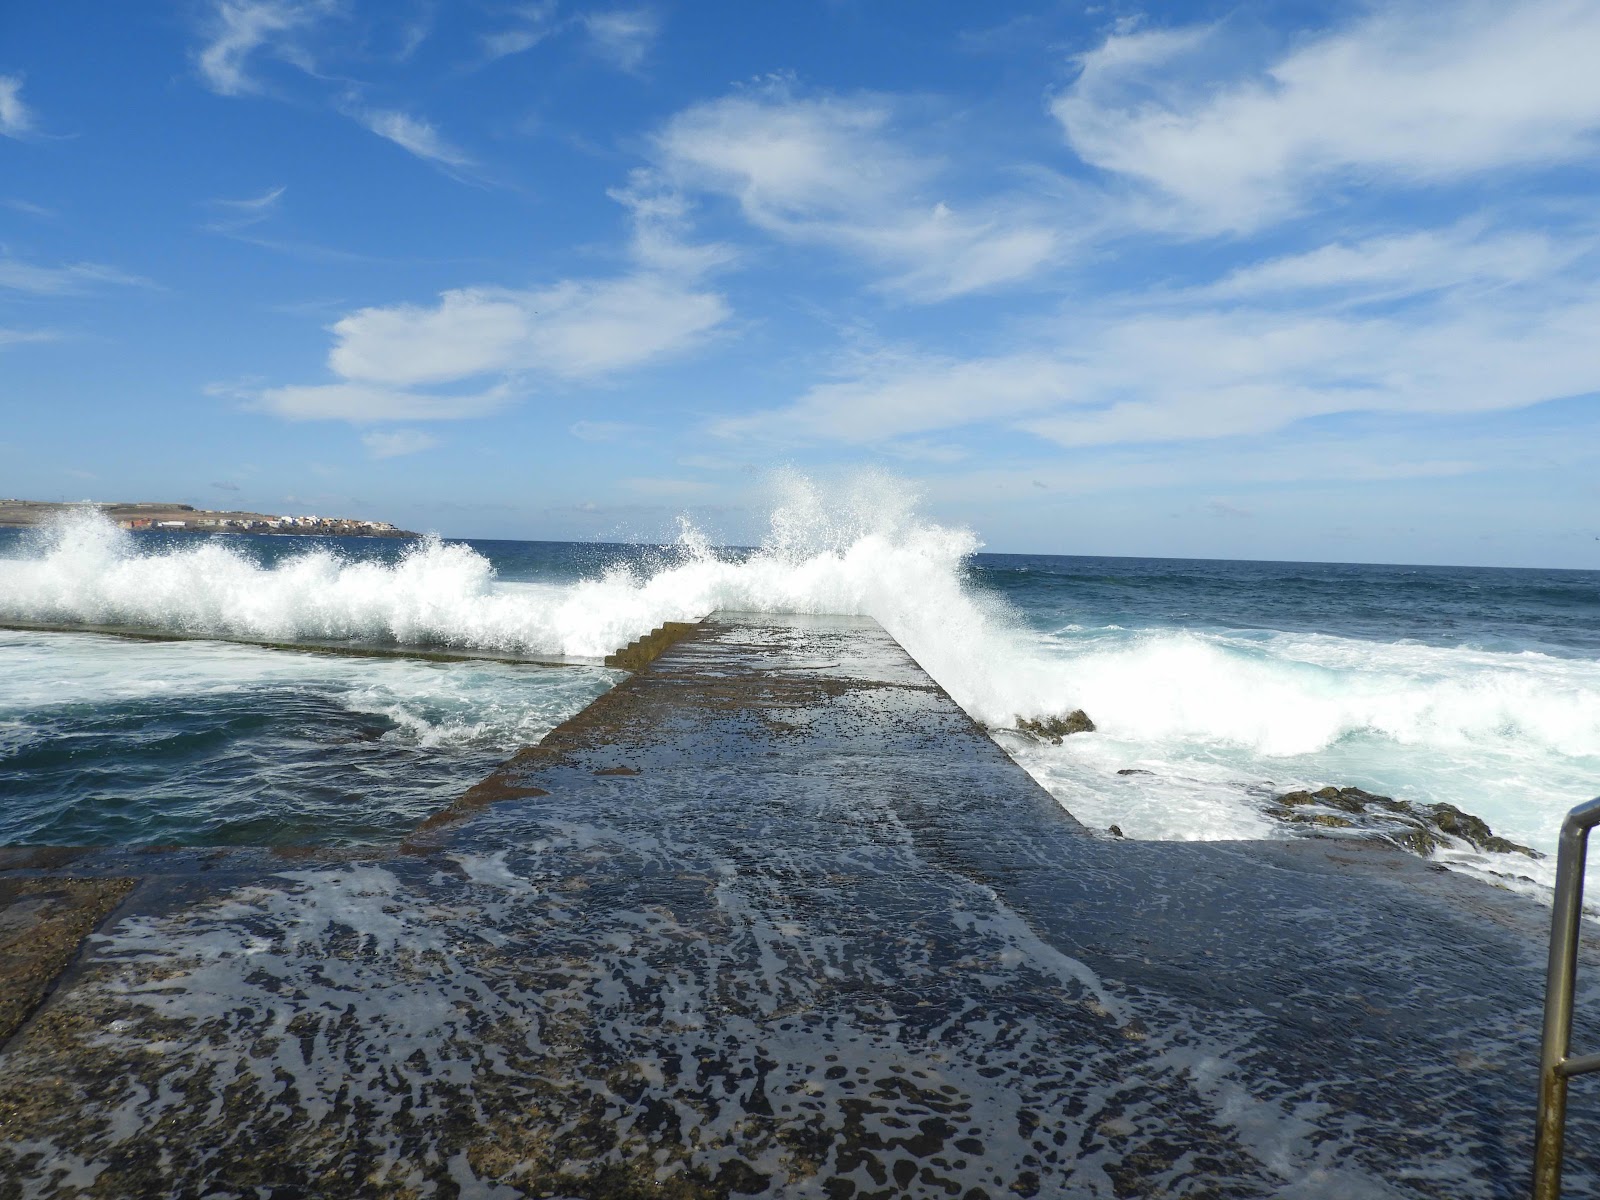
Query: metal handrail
(1556, 1063)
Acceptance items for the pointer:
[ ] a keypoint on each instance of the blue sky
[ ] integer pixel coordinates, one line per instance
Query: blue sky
(1263, 281)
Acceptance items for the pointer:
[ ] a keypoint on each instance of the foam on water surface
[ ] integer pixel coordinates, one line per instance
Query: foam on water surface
(105, 741)
(913, 976)
(1240, 684)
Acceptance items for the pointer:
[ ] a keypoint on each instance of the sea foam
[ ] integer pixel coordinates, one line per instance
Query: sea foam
(864, 552)
(1217, 716)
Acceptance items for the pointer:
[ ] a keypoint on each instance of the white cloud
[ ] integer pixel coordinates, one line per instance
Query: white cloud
(397, 442)
(1505, 326)
(622, 37)
(1410, 94)
(255, 204)
(512, 41)
(415, 135)
(238, 215)
(16, 119)
(29, 209)
(242, 31)
(890, 396)
(1406, 264)
(577, 329)
(470, 332)
(362, 403)
(71, 280)
(240, 28)
(21, 337)
(661, 226)
(828, 171)
(413, 33)
(1251, 371)
(533, 23)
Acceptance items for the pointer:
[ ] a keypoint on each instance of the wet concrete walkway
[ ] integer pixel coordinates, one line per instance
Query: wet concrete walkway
(774, 917)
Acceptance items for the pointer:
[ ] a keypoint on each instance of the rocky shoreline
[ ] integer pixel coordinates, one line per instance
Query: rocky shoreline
(1351, 811)
(1420, 828)
(171, 517)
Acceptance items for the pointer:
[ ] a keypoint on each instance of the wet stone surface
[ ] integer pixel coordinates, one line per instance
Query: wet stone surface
(774, 918)
(43, 921)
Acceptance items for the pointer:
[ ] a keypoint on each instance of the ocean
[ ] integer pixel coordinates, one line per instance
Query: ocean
(1214, 686)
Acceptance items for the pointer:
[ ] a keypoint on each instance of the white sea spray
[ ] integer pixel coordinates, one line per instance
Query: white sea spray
(1221, 720)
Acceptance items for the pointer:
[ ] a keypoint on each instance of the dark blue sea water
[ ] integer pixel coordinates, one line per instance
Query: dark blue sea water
(1218, 681)
(1480, 608)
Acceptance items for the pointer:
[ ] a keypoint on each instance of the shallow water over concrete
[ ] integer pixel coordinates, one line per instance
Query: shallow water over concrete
(774, 917)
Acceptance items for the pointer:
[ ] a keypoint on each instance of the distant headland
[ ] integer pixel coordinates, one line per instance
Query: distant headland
(163, 517)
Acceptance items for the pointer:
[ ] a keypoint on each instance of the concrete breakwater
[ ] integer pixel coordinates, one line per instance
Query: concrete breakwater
(774, 917)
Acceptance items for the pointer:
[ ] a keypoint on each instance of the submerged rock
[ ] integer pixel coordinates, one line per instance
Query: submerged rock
(1452, 820)
(1420, 828)
(1416, 838)
(1053, 729)
(1349, 799)
(1324, 819)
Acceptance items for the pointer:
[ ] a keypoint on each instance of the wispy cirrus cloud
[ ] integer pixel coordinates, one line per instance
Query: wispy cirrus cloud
(623, 37)
(1205, 374)
(16, 118)
(1404, 95)
(830, 171)
(1466, 255)
(239, 31)
(73, 279)
(414, 135)
(883, 397)
(28, 209)
(254, 205)
(235, 215)
(1447, 324)
(23, 337)
(526, 27)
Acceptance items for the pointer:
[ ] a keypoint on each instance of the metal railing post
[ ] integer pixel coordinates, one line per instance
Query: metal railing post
(1556, 1065)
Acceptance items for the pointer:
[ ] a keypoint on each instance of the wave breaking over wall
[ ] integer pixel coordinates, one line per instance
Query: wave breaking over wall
(1211, 713)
